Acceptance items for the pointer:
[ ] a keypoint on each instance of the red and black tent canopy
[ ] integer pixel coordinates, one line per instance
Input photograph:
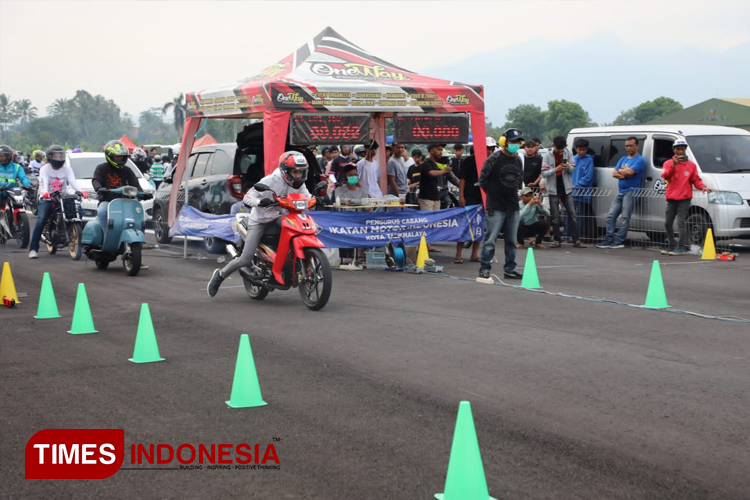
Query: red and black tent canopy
(328, 75)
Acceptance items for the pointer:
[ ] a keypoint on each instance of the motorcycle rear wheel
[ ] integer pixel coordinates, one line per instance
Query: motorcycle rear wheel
(317, 290)
(74, 240)
(255, 292)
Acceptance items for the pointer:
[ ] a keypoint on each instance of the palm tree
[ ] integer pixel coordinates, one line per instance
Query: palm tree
(25, 111)
(60, 107)
(7, 112)
(178, 108)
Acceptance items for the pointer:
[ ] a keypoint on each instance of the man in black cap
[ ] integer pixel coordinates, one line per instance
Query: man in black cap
(502, 178)
(429, 184)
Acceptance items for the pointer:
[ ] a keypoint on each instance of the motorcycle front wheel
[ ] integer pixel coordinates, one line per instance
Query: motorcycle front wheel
(131, 259)
(22, 230)
(51, 245)
(316, 288)
(74, 240)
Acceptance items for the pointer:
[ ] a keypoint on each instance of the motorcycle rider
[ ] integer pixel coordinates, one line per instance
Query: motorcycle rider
(139, 158)
(54, 175)
(10, 171)
(288, 178)
(36, 163)
(112, 174)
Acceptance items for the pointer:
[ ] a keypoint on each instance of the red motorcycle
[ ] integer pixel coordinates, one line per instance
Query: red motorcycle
(287, 256)
(14, 223)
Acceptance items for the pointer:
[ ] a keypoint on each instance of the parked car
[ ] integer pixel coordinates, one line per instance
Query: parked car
(219, 175)
(84, 164)
(723, 158)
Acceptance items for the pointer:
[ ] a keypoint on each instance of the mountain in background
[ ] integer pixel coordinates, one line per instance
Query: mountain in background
(601, 73)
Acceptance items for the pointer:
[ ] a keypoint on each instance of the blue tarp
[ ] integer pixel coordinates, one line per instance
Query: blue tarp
(191, 222)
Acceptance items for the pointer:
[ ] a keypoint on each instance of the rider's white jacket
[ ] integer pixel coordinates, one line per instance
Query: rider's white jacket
(275, 181)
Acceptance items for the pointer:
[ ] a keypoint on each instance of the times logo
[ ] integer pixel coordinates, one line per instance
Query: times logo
(75, 453)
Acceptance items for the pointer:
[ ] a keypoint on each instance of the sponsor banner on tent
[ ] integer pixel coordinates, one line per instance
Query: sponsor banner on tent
(368, 229)
(191, 222)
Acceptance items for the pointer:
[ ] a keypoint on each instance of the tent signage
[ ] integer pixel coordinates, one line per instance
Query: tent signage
(423, 128)
(308, 128)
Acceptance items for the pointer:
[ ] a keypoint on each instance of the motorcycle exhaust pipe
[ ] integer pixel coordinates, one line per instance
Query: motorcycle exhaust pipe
(231, 251)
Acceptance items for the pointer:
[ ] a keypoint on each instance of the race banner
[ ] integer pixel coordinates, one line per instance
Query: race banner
(368, 229)
(192, 222)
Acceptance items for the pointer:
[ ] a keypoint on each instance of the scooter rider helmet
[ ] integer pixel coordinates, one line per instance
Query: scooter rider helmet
(56, 156)
(116, 153)
(6, 154)
(139, 155)
(291, 163)
(359, 151)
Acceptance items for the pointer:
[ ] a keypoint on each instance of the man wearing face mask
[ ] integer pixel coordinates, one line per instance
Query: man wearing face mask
(54, 175)
(349, 193)
(501, 178)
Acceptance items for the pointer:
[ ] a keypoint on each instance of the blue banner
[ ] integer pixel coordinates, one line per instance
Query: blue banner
(375, 229)
(192, 222)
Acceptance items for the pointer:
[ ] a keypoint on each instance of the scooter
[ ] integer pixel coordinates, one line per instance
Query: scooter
(287, 256)
(14, 223)
(124, 234)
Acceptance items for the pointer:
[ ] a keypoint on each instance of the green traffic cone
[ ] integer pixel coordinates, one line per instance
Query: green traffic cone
(465, 478)
(83, 322)
(530, 277)
(47, 304)
(146, 349)
(245, 387)
(656, 298)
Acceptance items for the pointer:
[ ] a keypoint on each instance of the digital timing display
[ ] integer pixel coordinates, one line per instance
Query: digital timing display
(309, 129)
(426, 128)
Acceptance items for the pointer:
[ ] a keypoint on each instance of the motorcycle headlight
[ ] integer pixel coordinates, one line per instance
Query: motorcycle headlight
(130, 191)
(300, 204)
(724, 198)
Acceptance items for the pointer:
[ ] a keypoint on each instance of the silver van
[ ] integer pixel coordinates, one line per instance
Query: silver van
(723, 158)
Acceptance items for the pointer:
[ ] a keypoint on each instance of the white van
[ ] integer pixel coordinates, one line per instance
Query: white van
(723, 158)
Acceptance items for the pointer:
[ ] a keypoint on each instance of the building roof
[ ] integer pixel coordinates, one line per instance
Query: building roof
(745, 101)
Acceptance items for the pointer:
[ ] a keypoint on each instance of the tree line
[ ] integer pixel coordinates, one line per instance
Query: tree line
(88, 121)
(562, 116)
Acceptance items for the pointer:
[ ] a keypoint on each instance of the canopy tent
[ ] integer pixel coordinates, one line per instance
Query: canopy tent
(327, 75)
(128, 143)
(204, 141)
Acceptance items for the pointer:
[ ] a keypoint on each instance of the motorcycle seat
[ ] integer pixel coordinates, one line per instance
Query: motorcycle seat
(271, 234)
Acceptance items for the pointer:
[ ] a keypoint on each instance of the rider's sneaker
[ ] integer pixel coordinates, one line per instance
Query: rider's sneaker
(33, 254)
(213, 286)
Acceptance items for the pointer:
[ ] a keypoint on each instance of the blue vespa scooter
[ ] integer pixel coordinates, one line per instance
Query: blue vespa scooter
(124, 234)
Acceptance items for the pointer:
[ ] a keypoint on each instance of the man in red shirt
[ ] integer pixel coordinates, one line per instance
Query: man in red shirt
(681, 175)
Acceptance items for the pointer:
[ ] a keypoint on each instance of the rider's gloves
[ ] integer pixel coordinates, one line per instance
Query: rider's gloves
(102, 190)
(83, 193)
(45, 196)
(265, 202)
(147, 196)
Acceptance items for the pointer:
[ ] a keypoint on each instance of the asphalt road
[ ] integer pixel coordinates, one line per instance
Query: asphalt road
(571, 398)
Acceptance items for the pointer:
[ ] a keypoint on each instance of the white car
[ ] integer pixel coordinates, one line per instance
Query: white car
(84, 164)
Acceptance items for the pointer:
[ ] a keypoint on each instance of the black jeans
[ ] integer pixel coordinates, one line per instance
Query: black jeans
(554, 209)
(680, 209)
(538, 229)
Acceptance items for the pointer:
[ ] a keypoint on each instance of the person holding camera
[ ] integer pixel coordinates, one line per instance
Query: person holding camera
(531, 225)
(557, 167)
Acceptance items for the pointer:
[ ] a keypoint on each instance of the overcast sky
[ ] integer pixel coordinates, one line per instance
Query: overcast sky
(141, 54)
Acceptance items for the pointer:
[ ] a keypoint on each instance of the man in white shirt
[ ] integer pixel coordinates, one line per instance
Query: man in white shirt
(36, 163)
(369, 171)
